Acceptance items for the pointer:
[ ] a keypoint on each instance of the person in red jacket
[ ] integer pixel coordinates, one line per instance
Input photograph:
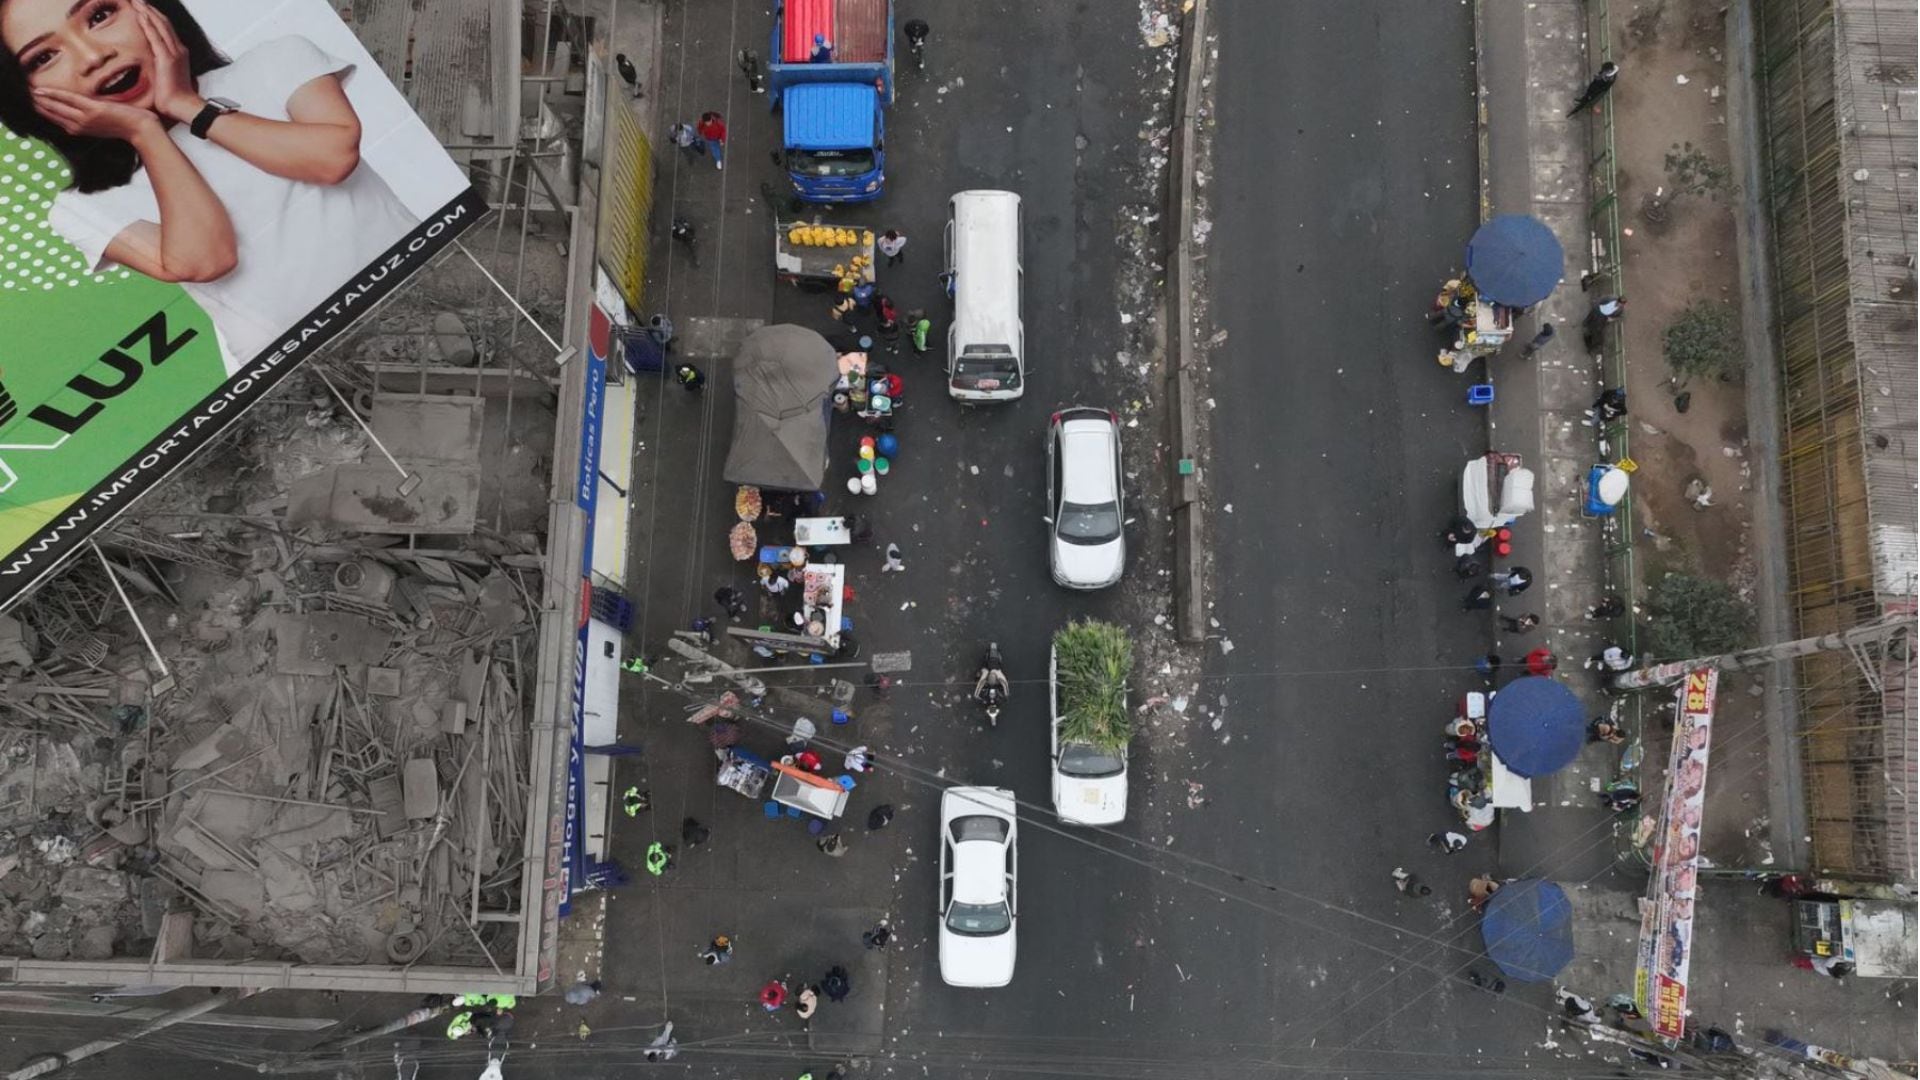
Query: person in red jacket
(713, 128)
(1541, 661)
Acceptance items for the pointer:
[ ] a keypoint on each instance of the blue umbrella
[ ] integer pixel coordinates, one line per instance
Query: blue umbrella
(1536, 725)
(1514, 260)
(1528, 929)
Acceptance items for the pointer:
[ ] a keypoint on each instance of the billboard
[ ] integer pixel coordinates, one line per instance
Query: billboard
(195, 196)
(626, 197)
(1666, 928)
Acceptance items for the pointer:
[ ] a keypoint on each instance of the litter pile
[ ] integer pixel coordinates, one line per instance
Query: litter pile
(332, 766)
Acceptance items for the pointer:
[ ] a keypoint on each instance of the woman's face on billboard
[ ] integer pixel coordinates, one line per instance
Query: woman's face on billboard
(94, 48)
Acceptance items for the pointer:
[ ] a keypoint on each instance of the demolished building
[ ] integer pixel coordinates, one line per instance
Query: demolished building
(307, 716)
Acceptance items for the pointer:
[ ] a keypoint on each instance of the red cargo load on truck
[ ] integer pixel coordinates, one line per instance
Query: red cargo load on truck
(804, 19)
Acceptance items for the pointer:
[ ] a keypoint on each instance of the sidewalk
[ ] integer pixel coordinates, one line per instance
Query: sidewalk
(1532, 60)
(791, 911)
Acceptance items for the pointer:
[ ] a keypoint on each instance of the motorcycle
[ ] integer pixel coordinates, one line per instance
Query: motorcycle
(990, 686)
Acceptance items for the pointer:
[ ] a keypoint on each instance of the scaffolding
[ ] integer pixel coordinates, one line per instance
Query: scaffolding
(1837, 109)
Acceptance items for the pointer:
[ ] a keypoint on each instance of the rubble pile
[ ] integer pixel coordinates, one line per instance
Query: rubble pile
(332, 767)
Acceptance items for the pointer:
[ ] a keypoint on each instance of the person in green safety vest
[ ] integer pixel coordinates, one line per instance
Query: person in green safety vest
(659, 858)
(460, 1026)
(918, 327)
(634, 801)
(635, 664)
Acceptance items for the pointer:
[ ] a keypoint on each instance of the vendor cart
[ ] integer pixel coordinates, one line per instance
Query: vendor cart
(1875, 936)
(1485, 331)
(810, 254)
(808, 793)
(1482, 477)
(742, 771)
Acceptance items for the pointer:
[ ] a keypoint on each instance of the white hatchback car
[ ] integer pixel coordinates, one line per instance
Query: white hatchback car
(979, 886)
(1089, 782)
(1085, 507)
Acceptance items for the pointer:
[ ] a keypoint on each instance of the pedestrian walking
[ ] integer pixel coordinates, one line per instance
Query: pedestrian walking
(660, 329)
(749, 62)
(730, 601)
(833, 845)
(663, 1047)
(693, 834)
(1449, 843)
(842, 309)
(1539, 341)
(1597, 87)
(877, 937)
(1409, 884)
(687, 138)
(1515, 581)
(713, 128)
(1520, 625)
(1479, 598)
(807, 1001)
(893, 564)
(880, 817)
(1576, 1008)
(837, 985)
(1611, 606)
(717, 952)
(1488, 666)
(860, 759)
(659, 858)
(690, 377)
(581, 993)
(773, 995)
(893, 246)
(1480, 890)
(1604, 313)
(1541, 661)
(633, 801)
(1466, 568)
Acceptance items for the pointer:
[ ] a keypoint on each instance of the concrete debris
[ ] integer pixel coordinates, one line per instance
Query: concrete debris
(311, 787)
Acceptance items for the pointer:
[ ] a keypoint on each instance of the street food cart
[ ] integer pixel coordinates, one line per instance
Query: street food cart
(1485, 330)
(1875, 936)
(808, 792)
(742, 771)
(815, 255)
(1482, 477)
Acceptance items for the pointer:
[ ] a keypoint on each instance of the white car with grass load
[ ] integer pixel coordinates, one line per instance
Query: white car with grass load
(979, 886)
(1088, 670)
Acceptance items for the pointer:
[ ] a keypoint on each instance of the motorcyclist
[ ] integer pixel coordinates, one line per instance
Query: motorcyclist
(991, 687)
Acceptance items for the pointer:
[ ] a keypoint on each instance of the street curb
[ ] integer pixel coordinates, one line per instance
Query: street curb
(1189, 547)
(1485, 184)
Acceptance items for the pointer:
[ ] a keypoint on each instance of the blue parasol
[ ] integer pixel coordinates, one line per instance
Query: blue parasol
(1514, 260)
(1536, 725)
(1528, 929)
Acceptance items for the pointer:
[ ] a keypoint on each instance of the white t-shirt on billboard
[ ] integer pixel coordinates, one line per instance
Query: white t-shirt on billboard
(297, 242)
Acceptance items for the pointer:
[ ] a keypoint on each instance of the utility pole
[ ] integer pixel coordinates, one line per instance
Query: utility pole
(56, 1062)
(1851, 640)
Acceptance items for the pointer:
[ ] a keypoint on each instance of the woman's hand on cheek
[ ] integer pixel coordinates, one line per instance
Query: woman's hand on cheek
(78, 114)
(173, 94)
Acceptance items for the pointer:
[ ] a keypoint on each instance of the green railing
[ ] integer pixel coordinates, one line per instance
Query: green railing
(1617, 530)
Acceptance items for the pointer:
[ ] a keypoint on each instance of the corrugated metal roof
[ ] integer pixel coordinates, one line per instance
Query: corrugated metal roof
(800, 21)
(1874, 65)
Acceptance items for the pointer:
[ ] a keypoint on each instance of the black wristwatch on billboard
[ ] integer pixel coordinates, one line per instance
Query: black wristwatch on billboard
(215, 108)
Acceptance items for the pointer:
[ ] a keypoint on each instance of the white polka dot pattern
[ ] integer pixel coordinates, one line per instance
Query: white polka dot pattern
(32, 256)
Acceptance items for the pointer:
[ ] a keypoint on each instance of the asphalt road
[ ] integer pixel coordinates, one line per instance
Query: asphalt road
(1342, 191)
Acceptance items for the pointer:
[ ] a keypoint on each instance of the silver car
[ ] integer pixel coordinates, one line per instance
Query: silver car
(1085, 507)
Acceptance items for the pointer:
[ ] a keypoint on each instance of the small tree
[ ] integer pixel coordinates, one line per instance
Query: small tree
(1692, 172)
(1095, 663)
(1704, 340)
(1689, 616)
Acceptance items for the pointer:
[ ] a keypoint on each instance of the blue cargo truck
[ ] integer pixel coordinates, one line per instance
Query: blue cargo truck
(832, 78)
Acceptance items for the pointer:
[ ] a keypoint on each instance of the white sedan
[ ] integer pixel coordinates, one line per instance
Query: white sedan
(1085, 503)
(979, 886)
(1089, 782)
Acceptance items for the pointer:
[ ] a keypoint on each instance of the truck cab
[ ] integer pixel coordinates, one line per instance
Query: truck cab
(834, 144)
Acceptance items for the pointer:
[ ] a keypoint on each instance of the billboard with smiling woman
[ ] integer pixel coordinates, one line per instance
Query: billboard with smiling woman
(195, 195)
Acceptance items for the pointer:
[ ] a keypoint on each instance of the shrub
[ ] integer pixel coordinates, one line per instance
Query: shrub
(1690, 616)
(1704, 341)
(1095, 662)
